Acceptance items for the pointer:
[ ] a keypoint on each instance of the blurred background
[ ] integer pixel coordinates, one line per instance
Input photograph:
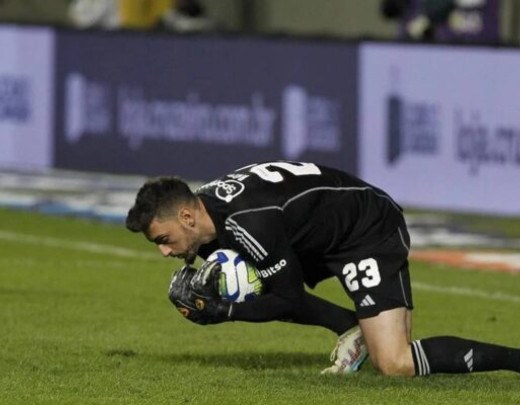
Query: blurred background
(380, 19)
(416, 96)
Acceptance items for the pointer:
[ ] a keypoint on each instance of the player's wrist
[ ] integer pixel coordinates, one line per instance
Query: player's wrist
(224, 311)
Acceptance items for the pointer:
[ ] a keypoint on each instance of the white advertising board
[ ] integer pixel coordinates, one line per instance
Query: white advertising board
(439, 126)
(26, 96)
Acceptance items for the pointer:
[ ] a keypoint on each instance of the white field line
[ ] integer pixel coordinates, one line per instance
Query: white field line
(89, 247)
(128, 253)
(93, 263)
(464, 291)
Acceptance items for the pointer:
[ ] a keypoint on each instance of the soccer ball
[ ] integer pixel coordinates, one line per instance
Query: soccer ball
(238, 281)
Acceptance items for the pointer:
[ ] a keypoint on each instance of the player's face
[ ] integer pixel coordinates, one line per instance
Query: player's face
(174, 238)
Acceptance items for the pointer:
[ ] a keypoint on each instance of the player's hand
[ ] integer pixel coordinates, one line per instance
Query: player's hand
(205, 280)
(204, 285)
(202, 306)
(181, 295)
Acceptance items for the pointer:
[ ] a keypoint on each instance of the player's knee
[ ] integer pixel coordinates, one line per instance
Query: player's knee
(393, 365)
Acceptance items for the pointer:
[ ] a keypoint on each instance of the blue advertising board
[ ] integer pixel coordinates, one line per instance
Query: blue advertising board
(199, 106)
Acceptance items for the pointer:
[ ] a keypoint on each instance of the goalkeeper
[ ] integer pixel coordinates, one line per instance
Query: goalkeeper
(299, 224)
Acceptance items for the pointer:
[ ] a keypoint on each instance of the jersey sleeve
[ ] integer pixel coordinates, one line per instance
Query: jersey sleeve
(260, 237)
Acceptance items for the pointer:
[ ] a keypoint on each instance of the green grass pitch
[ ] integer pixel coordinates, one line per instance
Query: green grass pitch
(85, 319)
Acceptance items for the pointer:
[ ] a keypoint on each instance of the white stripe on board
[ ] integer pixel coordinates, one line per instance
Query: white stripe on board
(90, 247)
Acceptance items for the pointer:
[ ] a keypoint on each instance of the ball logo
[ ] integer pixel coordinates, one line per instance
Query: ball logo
(264, 273)
(229, 189)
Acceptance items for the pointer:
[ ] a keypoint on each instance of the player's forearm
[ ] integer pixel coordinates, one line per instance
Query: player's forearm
(264, 308)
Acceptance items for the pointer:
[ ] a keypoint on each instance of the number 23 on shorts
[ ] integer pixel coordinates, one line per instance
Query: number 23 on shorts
(365, 272)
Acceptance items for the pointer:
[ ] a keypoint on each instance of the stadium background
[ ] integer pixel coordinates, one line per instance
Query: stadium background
(87, 115)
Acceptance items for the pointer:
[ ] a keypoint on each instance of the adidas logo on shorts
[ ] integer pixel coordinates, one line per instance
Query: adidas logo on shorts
(367, 301)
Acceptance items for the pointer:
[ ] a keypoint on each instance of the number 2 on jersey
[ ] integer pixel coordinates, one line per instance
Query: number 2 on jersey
(370, 278)
(274, 176)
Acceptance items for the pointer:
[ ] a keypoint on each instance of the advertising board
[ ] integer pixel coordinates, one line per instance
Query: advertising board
(26, 97)
(199, 106)
(439, 126)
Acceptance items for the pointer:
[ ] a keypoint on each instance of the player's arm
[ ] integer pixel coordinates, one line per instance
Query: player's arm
(282, 301)
(285, 299)
(263, 238)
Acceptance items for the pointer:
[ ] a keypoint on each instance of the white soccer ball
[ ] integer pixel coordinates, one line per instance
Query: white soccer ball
(238, 281)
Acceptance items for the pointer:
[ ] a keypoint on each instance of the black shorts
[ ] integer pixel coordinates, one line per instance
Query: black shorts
(378, 278)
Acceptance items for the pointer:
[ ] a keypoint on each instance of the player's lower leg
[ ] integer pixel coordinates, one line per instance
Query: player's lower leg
(448, 354)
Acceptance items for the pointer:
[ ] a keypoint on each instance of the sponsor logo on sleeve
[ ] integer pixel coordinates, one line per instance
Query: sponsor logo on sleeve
(272, 270)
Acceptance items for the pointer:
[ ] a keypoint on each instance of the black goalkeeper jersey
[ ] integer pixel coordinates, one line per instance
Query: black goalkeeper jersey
(289, 219)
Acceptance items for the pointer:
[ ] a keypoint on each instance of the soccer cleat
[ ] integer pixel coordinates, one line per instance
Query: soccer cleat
(349, 354)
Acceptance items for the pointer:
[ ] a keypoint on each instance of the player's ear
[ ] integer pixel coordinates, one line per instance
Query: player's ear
(186, 217)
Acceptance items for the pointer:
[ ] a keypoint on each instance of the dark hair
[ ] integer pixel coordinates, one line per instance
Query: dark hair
(159, 198)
